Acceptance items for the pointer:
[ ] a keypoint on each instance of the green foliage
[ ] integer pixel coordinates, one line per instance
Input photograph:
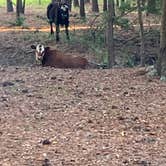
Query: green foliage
(153, 10)
(125, 6)
(29, 2)
(122, 22)
(18, 22)
(128, 61)
(38, 37)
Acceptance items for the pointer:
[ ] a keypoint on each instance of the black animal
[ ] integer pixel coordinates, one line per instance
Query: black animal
(58, 13)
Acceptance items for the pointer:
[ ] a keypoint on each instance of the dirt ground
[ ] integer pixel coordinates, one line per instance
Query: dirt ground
(65, 117)
(81, 117)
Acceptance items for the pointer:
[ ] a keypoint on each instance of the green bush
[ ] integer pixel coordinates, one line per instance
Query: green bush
(19, 21)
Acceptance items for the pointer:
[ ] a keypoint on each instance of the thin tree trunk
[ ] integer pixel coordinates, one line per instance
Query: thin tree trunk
(82, 8)
(9, 6)
(76, 3)
(70, 5)
(95, 7)
(110, 34)
(142, 49)
(23, 7)
(18, 9)
(117, 3)
(104, 5)
(161, 64)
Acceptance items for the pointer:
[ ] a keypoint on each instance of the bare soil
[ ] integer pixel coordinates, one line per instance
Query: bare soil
(92, 117)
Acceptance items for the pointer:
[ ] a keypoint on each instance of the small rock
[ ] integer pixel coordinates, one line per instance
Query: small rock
(46, 142)
(53, 78)
(20, 81)
(3, 99)
(114, 107)
(24, 91)
(121, 118)
(7, 83)
(46, 162)
(90, 121)
(125, 93)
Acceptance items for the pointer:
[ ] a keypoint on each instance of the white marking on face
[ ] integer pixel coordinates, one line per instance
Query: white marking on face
(39, 52)
(64, 8)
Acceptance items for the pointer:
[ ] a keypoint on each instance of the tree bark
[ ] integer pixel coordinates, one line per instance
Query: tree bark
(142, 49)
(23, 7)
(95, 7)
(161, 64)
(104, 5)
(82, 8)
(76, 3)
(20, 7)
(117, 3)
(9, 6)
(110, 34)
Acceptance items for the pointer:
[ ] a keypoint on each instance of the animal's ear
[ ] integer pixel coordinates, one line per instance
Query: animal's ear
(47, 48)
(33, 46)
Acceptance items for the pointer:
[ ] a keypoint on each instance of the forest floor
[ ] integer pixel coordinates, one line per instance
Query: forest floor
(74, 117)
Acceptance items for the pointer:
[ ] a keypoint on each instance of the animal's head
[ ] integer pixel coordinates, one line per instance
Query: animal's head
(64, 7)
(40, 51)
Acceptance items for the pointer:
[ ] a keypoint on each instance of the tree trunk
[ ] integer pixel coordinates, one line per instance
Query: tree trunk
(110, 34)
(18, 9)
(9, 6)
(104, 5)
(117, 3)
(161, 64)
(76, 3)
(95, 7)
(82, 8)
(142, 49)
(70, 5)
(23, 7)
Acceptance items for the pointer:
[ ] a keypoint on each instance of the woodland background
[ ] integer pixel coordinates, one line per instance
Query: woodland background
(101, 117)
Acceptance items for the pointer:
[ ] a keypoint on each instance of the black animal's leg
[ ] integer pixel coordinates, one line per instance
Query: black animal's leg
(57, 32)
(51, 30)
(67, 32)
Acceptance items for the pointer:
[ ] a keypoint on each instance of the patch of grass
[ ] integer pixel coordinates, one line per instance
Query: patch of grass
(37, 37)
(89, 41)
(123, 23)
(29, 2)
(19, 21)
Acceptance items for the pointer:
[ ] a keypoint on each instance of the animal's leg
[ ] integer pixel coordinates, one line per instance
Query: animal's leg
(67, 32)
(57, 32)
(51, 30)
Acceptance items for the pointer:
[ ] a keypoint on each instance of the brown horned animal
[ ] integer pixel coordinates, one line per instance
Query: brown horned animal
(54, 58)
